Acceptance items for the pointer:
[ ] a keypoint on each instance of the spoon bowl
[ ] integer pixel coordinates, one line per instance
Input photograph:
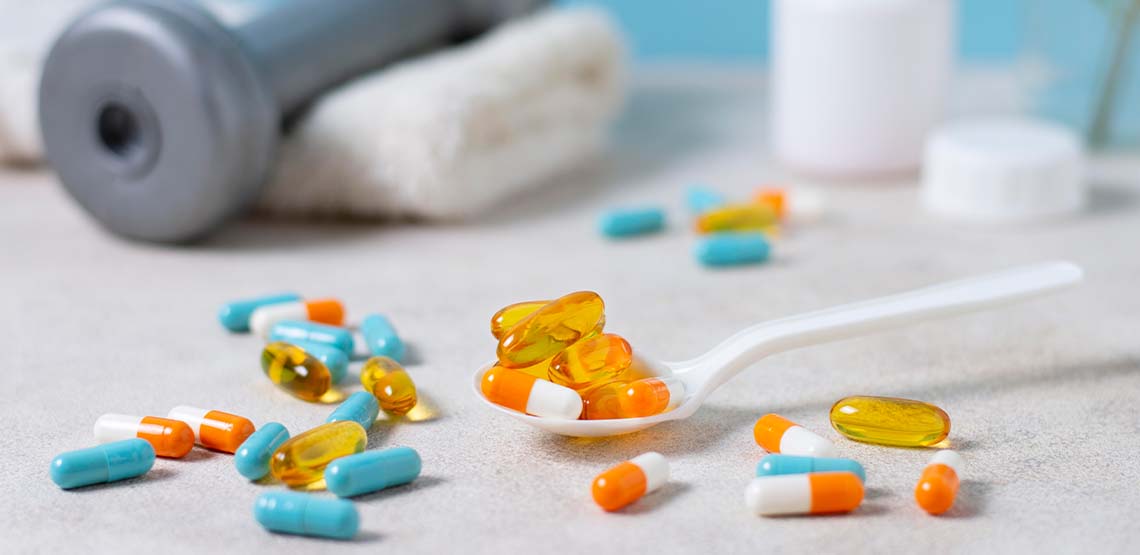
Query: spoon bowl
(703, 374)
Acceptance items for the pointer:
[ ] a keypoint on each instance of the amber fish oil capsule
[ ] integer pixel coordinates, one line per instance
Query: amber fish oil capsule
(802, 494)
(214, 429)
(737, 217)
(109, 462)
(252, 457)
(591, 361)
(302, 459)
(334, 359)
(938, 485)
(777, 434)
(506, 318)
(235, 315)
(304, 514)
(324, 311)
(550, 329)
(295, 371)
(890, 421)
(629, 481)
(169, 438)
(390, 384)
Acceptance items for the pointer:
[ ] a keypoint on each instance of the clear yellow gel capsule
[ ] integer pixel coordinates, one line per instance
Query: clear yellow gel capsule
(591, 362)
(550, 329)
(295, 371)
(510, 315)
(890, 421)
(738, 217)
(301, 460)
(390, 383)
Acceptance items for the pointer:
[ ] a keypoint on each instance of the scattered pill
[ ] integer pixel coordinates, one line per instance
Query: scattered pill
(775, 465)
(703, 199)
(592, 361)
(235, 315)
(628, 222)
(732, 249)
(103, 463)
(291, 331)
(802, 205)
(214, 429)
(295, 371)
(372, 471)
(737, 217)
(360, 407)
(306, 514)
(324, 311)
(890, 421)
(301, 460)
(636, 399)
(390, 384)
(508, 316)
(380, 337)
(629, 481)
(801, 494)
(777, 434)
(169, 438)
(252, 457)
(550, 329)
(525, 393)
(938, 485)
(334, 359)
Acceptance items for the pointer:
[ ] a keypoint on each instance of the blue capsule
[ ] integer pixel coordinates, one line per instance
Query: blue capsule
(293, 331)
(109, 462)
(729, 249)
(307, 515)
(333, 358)
(772, 465)
(626, 222)
(252, 457)
(360, 407)
(381, 338)
(372, 471)
(702, 199)
(234, 315)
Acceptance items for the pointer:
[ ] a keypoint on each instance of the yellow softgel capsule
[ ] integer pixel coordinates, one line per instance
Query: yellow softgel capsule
(295, 371)
(301, 460)
(390, 384)
(550, 329)
(738, 217)
(591, 362)
(890, 421)
(510, 315)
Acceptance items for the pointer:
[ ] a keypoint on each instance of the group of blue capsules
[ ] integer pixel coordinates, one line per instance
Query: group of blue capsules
(732, 233)
(309, 350)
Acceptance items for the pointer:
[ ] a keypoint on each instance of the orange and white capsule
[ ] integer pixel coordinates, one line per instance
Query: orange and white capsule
(214, 429)
(777, 434)
(630, 480)
(938, 485)
(804, 494)
(797, 205)
(170, 438)
(525, 393)
(324, 311)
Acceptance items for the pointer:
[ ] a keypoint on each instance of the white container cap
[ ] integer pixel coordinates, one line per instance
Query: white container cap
(1003, 170)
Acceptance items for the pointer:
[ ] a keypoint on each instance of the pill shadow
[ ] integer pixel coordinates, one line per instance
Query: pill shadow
(419, 484)
(367, 536)
(970, 501)
(669, 492)
(154, 475)
(876, 493)
(1106, 198)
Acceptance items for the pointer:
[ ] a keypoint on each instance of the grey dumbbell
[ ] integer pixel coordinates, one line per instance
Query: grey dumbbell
(162, 117)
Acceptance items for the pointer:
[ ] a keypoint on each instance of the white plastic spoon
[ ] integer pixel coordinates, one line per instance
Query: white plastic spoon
(702, 375)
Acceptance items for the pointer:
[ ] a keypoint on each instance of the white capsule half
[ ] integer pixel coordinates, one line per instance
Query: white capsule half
(263, 318)
(801, 441)
(949, 458)
(116, 427)
(655, 467)
(550, 400)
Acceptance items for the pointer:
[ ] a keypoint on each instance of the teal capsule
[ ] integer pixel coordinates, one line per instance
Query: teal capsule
(372, 471)
(702, 199)
(307, 515)
(109, 462)
(627, 222)
(234, 315)
(252, 457)
(729, 249)
(381, 338)
(772, 465)
(333, 358)
(360, 407)
(294, 331)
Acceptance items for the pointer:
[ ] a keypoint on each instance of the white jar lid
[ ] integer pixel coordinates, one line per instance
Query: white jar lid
(1003, 170)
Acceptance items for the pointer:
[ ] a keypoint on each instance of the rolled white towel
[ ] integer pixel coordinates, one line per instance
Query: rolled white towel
(450, 134)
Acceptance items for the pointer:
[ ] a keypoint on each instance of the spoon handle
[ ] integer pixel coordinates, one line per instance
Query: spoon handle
(937, 301)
